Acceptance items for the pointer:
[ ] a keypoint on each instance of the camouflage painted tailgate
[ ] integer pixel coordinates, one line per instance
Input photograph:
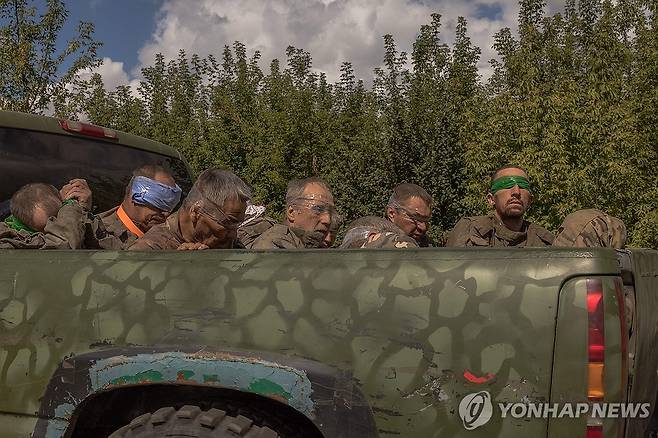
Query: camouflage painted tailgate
(417, 329)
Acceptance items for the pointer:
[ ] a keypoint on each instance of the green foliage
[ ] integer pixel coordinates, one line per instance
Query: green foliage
(572, 99)
(31, 76)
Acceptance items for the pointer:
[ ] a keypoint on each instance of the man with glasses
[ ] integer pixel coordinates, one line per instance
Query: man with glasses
(309, 211)
(410, 208)
(510, 196)
(150, 198)
(208, 218)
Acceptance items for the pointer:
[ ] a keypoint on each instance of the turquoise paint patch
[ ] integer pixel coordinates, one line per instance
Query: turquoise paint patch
(243, 374)
(57, 426)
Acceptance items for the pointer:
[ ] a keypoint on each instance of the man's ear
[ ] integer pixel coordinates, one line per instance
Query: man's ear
(490, 200)
(290, 214)
(390, 213)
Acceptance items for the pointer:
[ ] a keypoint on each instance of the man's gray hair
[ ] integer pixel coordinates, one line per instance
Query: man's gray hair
(357, 237)
(402, 193)
(296, 187)
(216, 186)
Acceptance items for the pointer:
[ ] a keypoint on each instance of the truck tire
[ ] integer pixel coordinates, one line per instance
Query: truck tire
(191, 421)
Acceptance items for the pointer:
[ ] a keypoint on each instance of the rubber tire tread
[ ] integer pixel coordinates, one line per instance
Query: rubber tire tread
(191, 422)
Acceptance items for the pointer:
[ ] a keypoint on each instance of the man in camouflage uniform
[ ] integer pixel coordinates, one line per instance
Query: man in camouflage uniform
(591, 228)
(150, 197)
(208, 218)
(309, 208)
(376, 232)
(510, 196)
(410, 209)
(255, 224)
(40, 220)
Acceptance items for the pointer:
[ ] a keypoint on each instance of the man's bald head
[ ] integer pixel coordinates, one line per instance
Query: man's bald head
(34, 203)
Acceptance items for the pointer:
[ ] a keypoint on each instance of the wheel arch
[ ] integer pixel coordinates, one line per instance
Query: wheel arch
(324, 396)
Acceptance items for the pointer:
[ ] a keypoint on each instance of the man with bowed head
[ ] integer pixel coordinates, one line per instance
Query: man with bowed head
(150, 197)
(510, 197)
(208, 218)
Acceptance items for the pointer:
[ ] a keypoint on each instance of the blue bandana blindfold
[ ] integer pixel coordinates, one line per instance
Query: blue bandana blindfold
(145, 191)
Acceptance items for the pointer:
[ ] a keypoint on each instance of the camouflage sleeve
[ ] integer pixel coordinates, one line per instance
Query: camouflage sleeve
(67, 230)
(460, 235)
(97, 236)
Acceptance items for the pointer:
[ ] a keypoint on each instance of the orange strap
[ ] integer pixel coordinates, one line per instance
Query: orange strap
(128, 223)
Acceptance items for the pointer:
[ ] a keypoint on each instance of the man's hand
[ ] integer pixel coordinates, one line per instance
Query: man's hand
(191, 246)
(79, 190)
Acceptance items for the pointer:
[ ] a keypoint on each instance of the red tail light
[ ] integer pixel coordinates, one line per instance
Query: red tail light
(596, 350)
(87, 129)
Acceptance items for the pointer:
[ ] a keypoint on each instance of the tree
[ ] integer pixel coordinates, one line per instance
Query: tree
(33, 73)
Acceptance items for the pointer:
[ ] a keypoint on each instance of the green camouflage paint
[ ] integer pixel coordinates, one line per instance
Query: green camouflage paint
(416, 329)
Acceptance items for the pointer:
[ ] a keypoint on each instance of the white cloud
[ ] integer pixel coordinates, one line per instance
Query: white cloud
(333, 31)
(112, 72)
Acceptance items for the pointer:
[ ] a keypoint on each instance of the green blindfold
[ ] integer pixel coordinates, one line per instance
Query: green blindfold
(15, 224)
(507, 182)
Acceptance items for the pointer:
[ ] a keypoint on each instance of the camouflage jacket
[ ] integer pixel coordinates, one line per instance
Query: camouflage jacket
(389, 239)
(248, 233)
(166, 236)
(278, 237)
(116, 228)
(591, 228)
(73, 228)
(490, 231)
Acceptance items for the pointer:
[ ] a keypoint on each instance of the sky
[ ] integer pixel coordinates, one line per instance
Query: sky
(333, 31)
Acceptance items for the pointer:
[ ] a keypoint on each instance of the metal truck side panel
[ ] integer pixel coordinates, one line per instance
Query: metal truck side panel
(418, 330)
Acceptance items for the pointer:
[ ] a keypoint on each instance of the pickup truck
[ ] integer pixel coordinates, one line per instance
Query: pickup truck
(430, 342)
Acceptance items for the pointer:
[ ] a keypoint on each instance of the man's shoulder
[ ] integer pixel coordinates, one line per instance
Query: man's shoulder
(278, 236)
(159, 237)
(249, 233)
(545, 236)
(111, 221)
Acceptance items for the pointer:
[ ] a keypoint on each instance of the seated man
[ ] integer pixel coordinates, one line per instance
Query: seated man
(376, 232)
(150, 197)
(410, 208)
(591, 228)
(40, 220)
(309, 207)
(510, 196)
(208, 218)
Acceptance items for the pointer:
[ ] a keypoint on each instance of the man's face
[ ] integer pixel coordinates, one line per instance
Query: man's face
(312, 212)
(412, 217)
(217, 227)
(146, 216)
(512, 202)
